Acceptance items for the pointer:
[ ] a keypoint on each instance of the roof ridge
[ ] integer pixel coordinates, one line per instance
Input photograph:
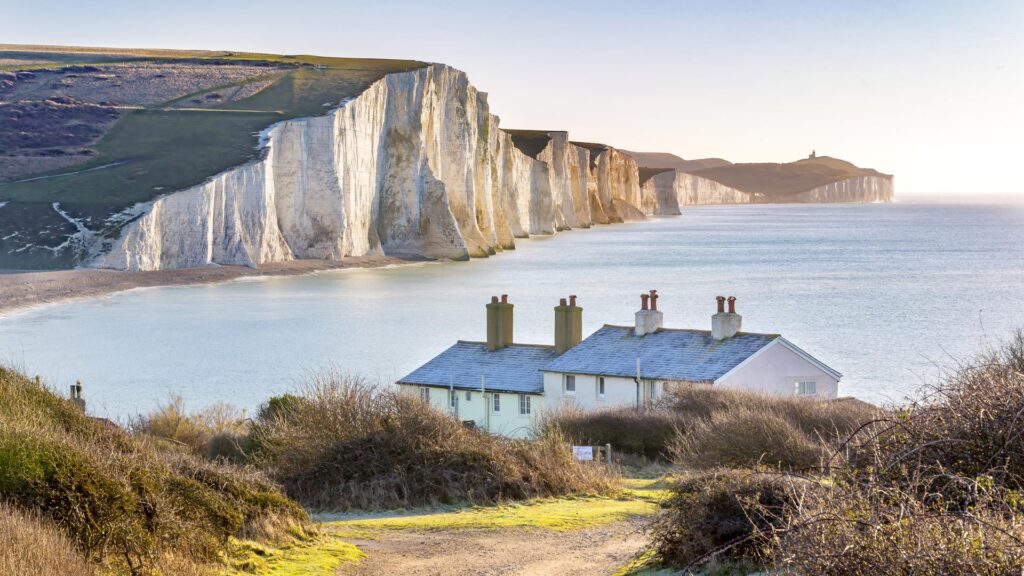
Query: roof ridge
(523, 344)
(769, 334)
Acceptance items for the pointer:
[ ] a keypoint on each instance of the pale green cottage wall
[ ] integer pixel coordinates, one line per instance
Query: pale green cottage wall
(507, 421)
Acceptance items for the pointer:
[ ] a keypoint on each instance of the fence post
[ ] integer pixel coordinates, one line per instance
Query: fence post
(608, 453)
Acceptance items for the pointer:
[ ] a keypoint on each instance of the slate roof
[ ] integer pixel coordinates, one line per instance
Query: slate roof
(515, 369)
(683, 355)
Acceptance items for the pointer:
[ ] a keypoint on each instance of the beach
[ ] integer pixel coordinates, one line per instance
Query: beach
(25, 290)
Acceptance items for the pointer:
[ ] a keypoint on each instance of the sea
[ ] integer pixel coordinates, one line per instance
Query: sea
(891, 295)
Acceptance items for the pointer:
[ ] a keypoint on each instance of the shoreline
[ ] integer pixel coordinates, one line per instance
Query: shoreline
(24, 291)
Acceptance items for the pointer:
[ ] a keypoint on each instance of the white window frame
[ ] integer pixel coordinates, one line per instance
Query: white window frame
(600, 386)
(524, 405)
(453, 399)
(495, 403)
(425, 394)
(801, 388)
(566, 378)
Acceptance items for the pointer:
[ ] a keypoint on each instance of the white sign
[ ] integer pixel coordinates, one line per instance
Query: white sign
(583, 453)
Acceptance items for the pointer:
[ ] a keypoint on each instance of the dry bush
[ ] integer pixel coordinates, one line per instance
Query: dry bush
(217, 431)
(934, 488)
(126, 503)
(969, 425)
(825, 419)
(629, 430)
(346, 445)
(853, 529)
(698, 426)
(742, 436)
(726, 428)
(30, 545)
(718, 517)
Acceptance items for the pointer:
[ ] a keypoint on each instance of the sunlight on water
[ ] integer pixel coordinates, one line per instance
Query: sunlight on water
(883, 293)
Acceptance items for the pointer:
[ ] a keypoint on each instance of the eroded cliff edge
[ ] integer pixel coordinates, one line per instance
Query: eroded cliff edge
(416, 165)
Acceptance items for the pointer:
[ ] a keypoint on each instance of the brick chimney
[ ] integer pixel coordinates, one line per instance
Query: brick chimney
(568, 324)
(724, 324)
(648, 318)
(76, 395)
(499, 323)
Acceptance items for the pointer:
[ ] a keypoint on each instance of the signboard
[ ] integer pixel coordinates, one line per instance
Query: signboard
(583, 453)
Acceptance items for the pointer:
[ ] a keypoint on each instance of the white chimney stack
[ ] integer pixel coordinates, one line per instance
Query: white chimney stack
(648, 318)
(724, 324)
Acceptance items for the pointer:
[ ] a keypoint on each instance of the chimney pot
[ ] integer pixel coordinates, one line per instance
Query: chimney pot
(721, 304)
(572, 300)
(504, 298)
(494, 299)
(561, 301)
(648, 319)
(732, 304)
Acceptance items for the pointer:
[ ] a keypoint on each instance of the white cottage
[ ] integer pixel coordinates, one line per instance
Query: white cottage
(502, 386)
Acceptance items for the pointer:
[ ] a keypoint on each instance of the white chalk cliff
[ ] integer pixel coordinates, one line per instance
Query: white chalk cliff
(857, 189)
(674, 189)
(415, 165)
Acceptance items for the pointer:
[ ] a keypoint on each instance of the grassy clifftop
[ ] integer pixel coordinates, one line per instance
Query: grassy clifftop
(97, 130)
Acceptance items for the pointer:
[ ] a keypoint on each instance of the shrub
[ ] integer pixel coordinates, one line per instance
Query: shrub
(125, 502)
(215, 431)
(934, 488)
(344, 444)
(720, 515)
(630, 431)
(742, 436)
(852, 529)
(31, 545)
(969, 425)
(726, 428)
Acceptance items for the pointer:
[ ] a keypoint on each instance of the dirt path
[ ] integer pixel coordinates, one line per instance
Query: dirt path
(527, 552)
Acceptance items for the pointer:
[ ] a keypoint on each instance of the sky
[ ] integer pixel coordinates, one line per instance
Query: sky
(931, 91)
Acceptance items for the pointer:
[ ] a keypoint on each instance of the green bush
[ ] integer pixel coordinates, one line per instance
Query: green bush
(126, 502)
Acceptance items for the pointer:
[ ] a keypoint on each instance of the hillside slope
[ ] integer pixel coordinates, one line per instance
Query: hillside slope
(128, 504)
(789, 179)
(667, 161)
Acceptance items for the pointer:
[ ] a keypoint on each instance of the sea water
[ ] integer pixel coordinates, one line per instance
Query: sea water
(888, 294)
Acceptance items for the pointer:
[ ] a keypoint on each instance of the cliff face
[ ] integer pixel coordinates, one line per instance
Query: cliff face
(415, 165)
(674, 189)
(859, 189)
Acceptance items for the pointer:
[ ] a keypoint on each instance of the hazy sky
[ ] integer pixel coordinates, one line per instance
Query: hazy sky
(932, 91)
